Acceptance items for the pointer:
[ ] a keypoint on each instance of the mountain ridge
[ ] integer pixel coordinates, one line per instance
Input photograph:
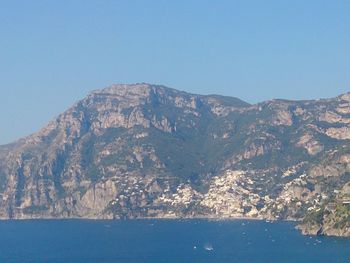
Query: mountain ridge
(116, 85)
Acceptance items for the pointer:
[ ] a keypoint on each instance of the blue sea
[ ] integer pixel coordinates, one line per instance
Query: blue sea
(166, 241)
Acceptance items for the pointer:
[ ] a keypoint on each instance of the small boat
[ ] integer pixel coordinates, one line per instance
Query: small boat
(208, 247)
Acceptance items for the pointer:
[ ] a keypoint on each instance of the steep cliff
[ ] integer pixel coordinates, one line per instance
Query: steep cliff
(144, 150)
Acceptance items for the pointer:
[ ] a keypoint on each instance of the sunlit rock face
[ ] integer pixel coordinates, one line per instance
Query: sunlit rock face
(141, 150)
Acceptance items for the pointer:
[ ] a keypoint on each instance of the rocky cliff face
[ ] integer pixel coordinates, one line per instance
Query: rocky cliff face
(143, 150)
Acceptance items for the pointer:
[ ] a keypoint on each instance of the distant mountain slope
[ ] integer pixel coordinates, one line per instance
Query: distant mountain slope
(150, 151)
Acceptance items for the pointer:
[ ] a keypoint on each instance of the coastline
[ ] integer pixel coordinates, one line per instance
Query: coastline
(299, 226)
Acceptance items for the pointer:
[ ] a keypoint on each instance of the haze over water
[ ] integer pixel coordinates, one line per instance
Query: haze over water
(165, 241)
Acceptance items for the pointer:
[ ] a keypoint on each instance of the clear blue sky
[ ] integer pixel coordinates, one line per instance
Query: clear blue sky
(52, 53)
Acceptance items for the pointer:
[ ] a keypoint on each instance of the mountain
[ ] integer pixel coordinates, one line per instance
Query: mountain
(140, 151)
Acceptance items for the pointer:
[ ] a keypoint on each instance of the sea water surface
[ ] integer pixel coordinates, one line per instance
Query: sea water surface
(165, 241)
